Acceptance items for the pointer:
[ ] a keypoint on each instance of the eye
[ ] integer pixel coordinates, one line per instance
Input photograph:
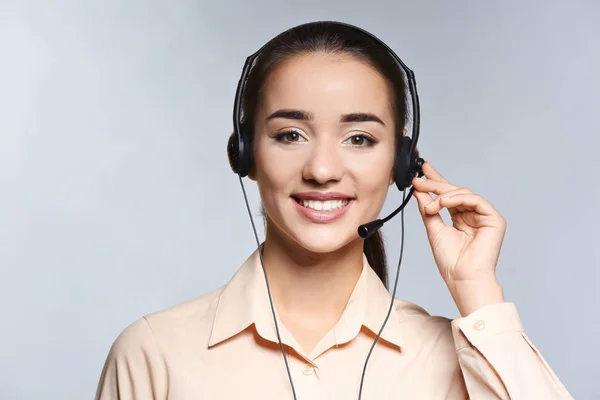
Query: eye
(360, 140)
(289, 137)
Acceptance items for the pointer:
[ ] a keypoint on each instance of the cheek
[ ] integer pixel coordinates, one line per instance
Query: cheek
(373, 175)
(274, 171)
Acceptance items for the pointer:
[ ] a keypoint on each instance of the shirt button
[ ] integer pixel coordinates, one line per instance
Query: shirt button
(479, 325)
(308, 369)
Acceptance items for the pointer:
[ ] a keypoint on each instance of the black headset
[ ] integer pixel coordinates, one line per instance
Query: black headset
(407, 165)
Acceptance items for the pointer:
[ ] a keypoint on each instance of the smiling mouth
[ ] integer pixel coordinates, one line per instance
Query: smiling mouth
(326, 205)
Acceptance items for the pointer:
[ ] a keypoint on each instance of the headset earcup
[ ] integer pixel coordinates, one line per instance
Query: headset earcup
(233, 153)
(238, 153)
(402, 169)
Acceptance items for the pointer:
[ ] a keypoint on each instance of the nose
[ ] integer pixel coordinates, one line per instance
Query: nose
(324, 163)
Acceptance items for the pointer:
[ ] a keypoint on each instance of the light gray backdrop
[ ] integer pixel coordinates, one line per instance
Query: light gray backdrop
(116, 198)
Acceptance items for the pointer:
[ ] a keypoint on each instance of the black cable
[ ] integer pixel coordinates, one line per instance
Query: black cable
(391, 302)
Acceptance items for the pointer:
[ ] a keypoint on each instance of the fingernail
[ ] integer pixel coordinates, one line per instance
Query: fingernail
(430, 204)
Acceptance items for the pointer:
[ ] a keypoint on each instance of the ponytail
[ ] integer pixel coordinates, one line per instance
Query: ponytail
(374, 249)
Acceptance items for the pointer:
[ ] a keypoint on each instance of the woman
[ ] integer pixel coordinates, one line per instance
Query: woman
(326, 106)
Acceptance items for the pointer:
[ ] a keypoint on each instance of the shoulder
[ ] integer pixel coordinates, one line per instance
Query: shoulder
(194, 312)
(136, 365)
(419, 315)
(152, 332)
(422, 328)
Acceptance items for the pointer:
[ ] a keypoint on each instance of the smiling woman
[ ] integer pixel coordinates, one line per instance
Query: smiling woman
(324, 111)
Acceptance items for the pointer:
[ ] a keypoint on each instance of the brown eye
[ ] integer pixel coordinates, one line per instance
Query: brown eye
(289, 137)
(360, 140)
(292, 136)
(357, 140)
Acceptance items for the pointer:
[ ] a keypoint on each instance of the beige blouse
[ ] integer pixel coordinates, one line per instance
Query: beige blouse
(223, 345)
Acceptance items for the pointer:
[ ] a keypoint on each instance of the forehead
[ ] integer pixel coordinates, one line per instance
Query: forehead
(327, 84)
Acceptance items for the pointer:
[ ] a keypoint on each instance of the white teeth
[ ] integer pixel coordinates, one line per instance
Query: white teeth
(328, 205)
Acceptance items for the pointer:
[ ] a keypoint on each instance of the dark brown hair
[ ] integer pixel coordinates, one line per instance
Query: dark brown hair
(331, 38)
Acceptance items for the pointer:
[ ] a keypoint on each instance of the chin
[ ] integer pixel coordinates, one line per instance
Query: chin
(322, 241)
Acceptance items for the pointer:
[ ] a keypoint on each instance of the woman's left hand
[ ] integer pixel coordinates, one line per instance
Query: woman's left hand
(467, 251)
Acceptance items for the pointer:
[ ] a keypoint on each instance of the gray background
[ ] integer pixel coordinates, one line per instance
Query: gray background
(117, 198)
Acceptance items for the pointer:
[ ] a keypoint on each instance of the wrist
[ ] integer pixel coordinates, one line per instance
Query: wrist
(470, 296)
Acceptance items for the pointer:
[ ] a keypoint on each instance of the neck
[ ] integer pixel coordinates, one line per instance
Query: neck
(311, 287)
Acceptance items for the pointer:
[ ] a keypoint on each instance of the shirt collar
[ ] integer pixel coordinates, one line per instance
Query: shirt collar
(244, 301)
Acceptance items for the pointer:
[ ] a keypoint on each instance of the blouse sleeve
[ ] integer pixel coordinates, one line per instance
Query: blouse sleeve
(134, 368)
(497, 359)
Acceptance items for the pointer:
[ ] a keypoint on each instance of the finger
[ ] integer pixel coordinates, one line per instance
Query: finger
(435, 205)
(434, 186)
(423, 198)
(433, 221)
(432, 173)
(467, 202)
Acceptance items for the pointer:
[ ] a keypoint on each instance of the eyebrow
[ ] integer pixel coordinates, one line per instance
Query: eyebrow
(291, 114)
(361, 117)
(307, 116)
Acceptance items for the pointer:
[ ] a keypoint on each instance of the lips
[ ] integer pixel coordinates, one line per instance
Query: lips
(327, 205)
(321, 196)
(321, 207)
